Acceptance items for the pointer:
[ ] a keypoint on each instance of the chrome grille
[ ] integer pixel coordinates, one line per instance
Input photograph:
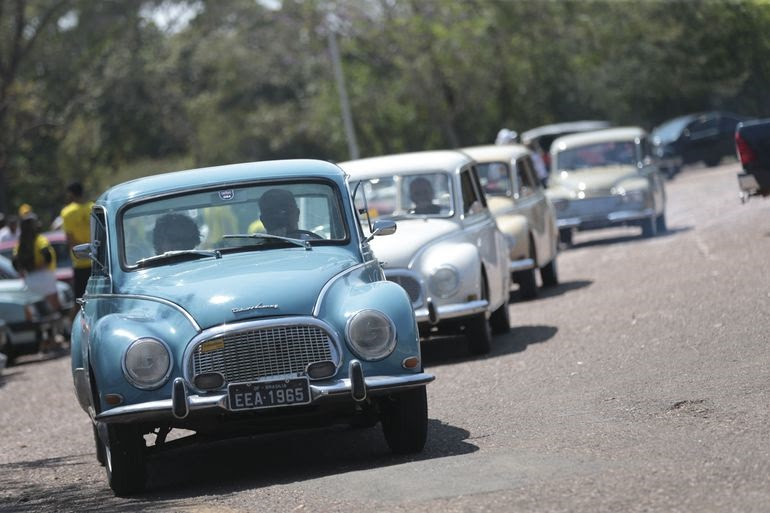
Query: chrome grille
(410, 285)
(592, 206)
(259, 353)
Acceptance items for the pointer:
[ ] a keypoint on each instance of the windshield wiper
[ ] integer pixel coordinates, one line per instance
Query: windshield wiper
(265, 236)
(182, 254)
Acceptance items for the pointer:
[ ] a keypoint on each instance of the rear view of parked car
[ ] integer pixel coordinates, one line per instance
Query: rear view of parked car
(752, 142)
(606, 178)
(522, 211)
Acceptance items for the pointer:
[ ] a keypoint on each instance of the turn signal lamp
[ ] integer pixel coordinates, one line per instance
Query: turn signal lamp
(411, 363)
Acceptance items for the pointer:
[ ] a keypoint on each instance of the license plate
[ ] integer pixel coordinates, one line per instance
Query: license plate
(269, 394)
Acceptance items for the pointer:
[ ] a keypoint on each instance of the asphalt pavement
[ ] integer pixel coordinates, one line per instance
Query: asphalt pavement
(640, 384)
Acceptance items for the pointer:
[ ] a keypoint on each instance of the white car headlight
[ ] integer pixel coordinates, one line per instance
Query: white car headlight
(444, 281)
(371, 334)
(147, 363)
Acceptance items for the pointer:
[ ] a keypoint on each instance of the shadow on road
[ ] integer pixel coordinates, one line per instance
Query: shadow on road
(452, 350)
(223, 467)
(627, 238)
(548, 292)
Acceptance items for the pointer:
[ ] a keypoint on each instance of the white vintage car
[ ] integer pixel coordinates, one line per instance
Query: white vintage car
(447, 252)
(523, 212)
(606, 178)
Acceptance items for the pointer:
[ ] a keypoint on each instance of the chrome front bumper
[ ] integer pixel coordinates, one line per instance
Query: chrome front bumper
(523, 264)
(604, 220)
(183, 403)
(451, 311)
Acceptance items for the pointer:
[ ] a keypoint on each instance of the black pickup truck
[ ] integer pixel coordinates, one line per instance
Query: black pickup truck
(752, 142)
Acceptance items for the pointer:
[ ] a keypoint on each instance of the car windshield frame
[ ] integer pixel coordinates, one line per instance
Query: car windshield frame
(245, 195)
(400, 182)
(484, 179)
(597, 150)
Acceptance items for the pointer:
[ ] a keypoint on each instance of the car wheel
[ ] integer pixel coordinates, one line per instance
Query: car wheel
(527, 283)
(565, 237)
(479, 334)
(648, 227)
(660, 223)
(405, 420)
(100, 452)
(8, 350)
(550, 274)
(125, 459)
(713, 161)
(500, 321)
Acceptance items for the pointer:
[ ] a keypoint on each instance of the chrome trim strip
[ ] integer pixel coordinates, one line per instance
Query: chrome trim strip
(223, 329)
(523, 264)
(218, 402)
(160, 300)
(454, 310)
(333, 279)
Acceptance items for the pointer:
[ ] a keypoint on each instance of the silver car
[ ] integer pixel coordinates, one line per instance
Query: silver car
(606, 178)
(447, 252)
(522, 210)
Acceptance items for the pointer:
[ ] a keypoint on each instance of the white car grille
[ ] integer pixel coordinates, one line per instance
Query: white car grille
(260, 353)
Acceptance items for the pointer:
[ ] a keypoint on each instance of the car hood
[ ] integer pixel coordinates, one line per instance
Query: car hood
(241, 286)
(600, 178)
(397, 250)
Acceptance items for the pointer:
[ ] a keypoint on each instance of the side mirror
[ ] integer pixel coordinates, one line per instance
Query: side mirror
(382, 227)
(82, 251)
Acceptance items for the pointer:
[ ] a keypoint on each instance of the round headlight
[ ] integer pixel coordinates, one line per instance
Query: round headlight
(147, 363)
(444, 282)
(371, 334)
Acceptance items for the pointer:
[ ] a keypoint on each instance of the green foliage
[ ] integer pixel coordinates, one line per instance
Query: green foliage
(102, 91)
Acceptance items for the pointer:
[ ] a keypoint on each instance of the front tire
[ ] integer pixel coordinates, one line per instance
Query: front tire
(527, 283)
(404, 417)
(550, 274)
(500, 321)
(660, 223)
(100, 450)
(648, 227)
(565, 236)
(125, 459)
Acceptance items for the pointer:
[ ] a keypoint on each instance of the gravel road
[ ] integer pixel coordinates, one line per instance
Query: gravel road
(640, 384)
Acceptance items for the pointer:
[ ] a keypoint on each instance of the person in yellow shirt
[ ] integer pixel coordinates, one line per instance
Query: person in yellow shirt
(76, 223)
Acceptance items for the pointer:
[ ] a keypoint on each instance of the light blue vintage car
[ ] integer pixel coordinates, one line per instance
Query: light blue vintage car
(240, 299)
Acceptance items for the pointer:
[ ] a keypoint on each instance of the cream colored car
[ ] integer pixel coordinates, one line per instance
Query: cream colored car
(522, 211)
(606, 178)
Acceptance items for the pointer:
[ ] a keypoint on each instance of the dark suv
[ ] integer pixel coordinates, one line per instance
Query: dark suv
(700, 137)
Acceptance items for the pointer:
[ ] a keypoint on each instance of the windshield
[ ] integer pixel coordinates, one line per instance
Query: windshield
(613, 153)
(495, 178)
(411, 195)
(199, 221)
(670, 130)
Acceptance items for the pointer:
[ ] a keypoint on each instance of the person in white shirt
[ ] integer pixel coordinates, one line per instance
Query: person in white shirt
(11, 230)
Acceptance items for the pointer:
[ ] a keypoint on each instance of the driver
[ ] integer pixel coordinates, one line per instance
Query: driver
(175, 232)
(421, 194)
(280, 216)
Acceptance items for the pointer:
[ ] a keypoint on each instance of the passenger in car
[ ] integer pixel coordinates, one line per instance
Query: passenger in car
(175, 232)
(421, 194)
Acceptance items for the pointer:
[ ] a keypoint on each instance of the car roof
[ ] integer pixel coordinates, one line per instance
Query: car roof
(558, 128)
(626, 133)
(406, 163)
(496, 152)
(231, 174)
